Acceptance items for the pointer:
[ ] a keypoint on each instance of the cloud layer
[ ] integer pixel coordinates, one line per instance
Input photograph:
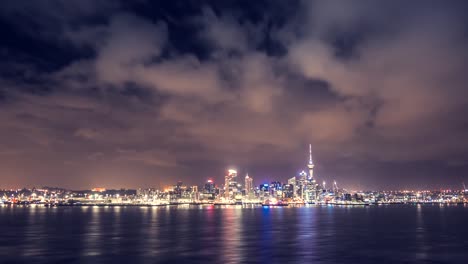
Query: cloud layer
(137, 99)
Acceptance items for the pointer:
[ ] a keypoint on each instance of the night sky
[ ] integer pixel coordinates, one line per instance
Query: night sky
(143, 94)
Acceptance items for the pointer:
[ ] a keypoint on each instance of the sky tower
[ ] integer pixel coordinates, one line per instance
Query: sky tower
(310, 165)
(311, 183)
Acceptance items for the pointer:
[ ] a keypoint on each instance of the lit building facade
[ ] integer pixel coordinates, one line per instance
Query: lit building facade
(209, 187)
(231, 187)
(292, 189)
(248, 186)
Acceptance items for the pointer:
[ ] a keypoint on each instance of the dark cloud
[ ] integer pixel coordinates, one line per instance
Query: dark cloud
(378, 88)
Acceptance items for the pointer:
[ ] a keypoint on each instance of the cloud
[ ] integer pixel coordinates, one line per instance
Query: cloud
(224, 32)
(51, 18)
(407, 81)
(87, 133)
(333, 125)
(131, 41)
(149, 157)
(259, 84)
(130, 101)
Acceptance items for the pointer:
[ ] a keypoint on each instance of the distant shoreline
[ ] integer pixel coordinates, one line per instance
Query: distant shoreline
(219, 205)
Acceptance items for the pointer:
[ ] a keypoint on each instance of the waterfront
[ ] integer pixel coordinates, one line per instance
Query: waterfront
(234, 234)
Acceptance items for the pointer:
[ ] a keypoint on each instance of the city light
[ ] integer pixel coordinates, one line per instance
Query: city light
(302, 189)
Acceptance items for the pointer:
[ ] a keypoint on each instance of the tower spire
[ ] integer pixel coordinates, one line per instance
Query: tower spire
(310, 154)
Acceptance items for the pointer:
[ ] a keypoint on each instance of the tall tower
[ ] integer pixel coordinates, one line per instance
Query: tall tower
(310, 165)
(312, 187)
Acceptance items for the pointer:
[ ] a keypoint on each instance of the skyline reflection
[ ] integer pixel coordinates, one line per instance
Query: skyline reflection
(232, 234)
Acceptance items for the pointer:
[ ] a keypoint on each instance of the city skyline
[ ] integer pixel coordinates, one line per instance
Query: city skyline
(131, 94)
(303, 189)
(231, 175)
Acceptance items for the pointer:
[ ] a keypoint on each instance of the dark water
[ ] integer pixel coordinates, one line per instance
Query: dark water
(207, 234)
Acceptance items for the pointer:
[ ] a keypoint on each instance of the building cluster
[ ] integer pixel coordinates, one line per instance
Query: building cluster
(301, 189)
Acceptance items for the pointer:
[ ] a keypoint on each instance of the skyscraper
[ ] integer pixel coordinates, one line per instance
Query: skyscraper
(303, 184)
(292, 183)
(230, 185)
(248, 184)
(209, 187)
(226, 186)
(178, 189)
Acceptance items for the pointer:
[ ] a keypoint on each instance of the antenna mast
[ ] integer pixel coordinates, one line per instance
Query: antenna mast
(310, 154)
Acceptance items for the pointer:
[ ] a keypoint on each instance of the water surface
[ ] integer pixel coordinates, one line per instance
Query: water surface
(234, 234)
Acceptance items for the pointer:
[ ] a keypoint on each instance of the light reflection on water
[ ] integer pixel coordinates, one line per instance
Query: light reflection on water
(234, 234)
(92, 234)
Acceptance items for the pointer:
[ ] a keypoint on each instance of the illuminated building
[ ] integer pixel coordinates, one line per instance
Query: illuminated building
(226, 186)
(302, 184)
(178, 189)
(248, 185)
(209, 187)
(264, 190)
(292, 189)
(276, 188)
(303, 176)
(288, 191)
(292, 181)
(230, 184)
(209, 191)
(195, 195)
